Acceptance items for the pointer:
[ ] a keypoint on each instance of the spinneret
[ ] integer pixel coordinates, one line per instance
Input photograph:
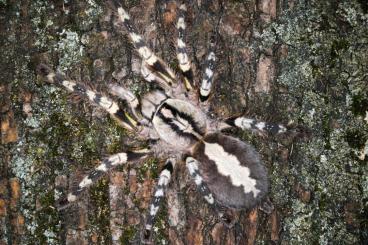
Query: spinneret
(227, 172)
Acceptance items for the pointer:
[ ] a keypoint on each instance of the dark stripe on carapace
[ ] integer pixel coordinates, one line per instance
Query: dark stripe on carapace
(175, 127)
(185, 116)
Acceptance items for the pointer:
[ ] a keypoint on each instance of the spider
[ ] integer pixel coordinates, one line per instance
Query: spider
(175, 120)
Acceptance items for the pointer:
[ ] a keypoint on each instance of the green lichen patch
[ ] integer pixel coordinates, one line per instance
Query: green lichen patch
(48, 220)
(129, 232)
(149, 168)
(160, 226)
(323, 75)
(100, 221)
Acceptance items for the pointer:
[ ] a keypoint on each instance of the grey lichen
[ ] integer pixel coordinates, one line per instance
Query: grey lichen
(327, 45)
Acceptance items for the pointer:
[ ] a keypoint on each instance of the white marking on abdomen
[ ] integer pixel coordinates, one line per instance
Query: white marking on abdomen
(229, 165)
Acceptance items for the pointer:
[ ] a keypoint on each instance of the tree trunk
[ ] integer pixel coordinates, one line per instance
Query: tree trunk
(300, 63)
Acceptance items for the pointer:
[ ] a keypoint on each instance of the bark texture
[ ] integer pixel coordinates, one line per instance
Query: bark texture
(300, 63)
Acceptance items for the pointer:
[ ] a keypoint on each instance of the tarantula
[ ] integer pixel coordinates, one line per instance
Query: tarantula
(174, 119)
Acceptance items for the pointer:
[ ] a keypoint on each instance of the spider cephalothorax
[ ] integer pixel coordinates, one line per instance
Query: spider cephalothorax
(227, 171)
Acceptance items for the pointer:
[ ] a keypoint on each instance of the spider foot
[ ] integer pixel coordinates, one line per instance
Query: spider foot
(267, 206)
(301, 132)
(62, 204)
(227, 219)
(146, 237)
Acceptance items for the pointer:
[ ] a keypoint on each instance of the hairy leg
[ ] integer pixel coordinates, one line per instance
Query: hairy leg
(207, 79)
(121, 116)
(159, 70)
(156, 200)
(192, 166)
(254, 125)
(184, 62)
(106, 165)
(126, 95)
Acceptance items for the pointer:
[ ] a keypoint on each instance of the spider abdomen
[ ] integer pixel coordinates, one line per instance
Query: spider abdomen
(232, 170)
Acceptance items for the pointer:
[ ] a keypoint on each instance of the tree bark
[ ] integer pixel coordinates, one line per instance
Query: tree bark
(300, 63)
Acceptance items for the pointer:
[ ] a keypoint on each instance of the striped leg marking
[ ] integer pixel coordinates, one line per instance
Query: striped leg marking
(184, 62)
(153, 76)
(192, 166)
(254, 125)
(158, 195)
(104, 102)
(105, 165)
(153, 62)
(129, 97)
(207, 79)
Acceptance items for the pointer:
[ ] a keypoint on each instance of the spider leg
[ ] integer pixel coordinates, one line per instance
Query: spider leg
(106, 164)
(153, 76)
(192, 166)
(126, 95)
(184, 62)
(153, 63)
(158, 195)
(124, 119)
(253, 125)
(207, 79)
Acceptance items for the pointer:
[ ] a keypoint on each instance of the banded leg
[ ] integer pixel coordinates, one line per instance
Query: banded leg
(158, 195)
(192, 166)
(184, 62)
(105, 165)
(207, 79)
(151, 61)
(123, 118)
(254, 125)
(152, 76)
(129, 97)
